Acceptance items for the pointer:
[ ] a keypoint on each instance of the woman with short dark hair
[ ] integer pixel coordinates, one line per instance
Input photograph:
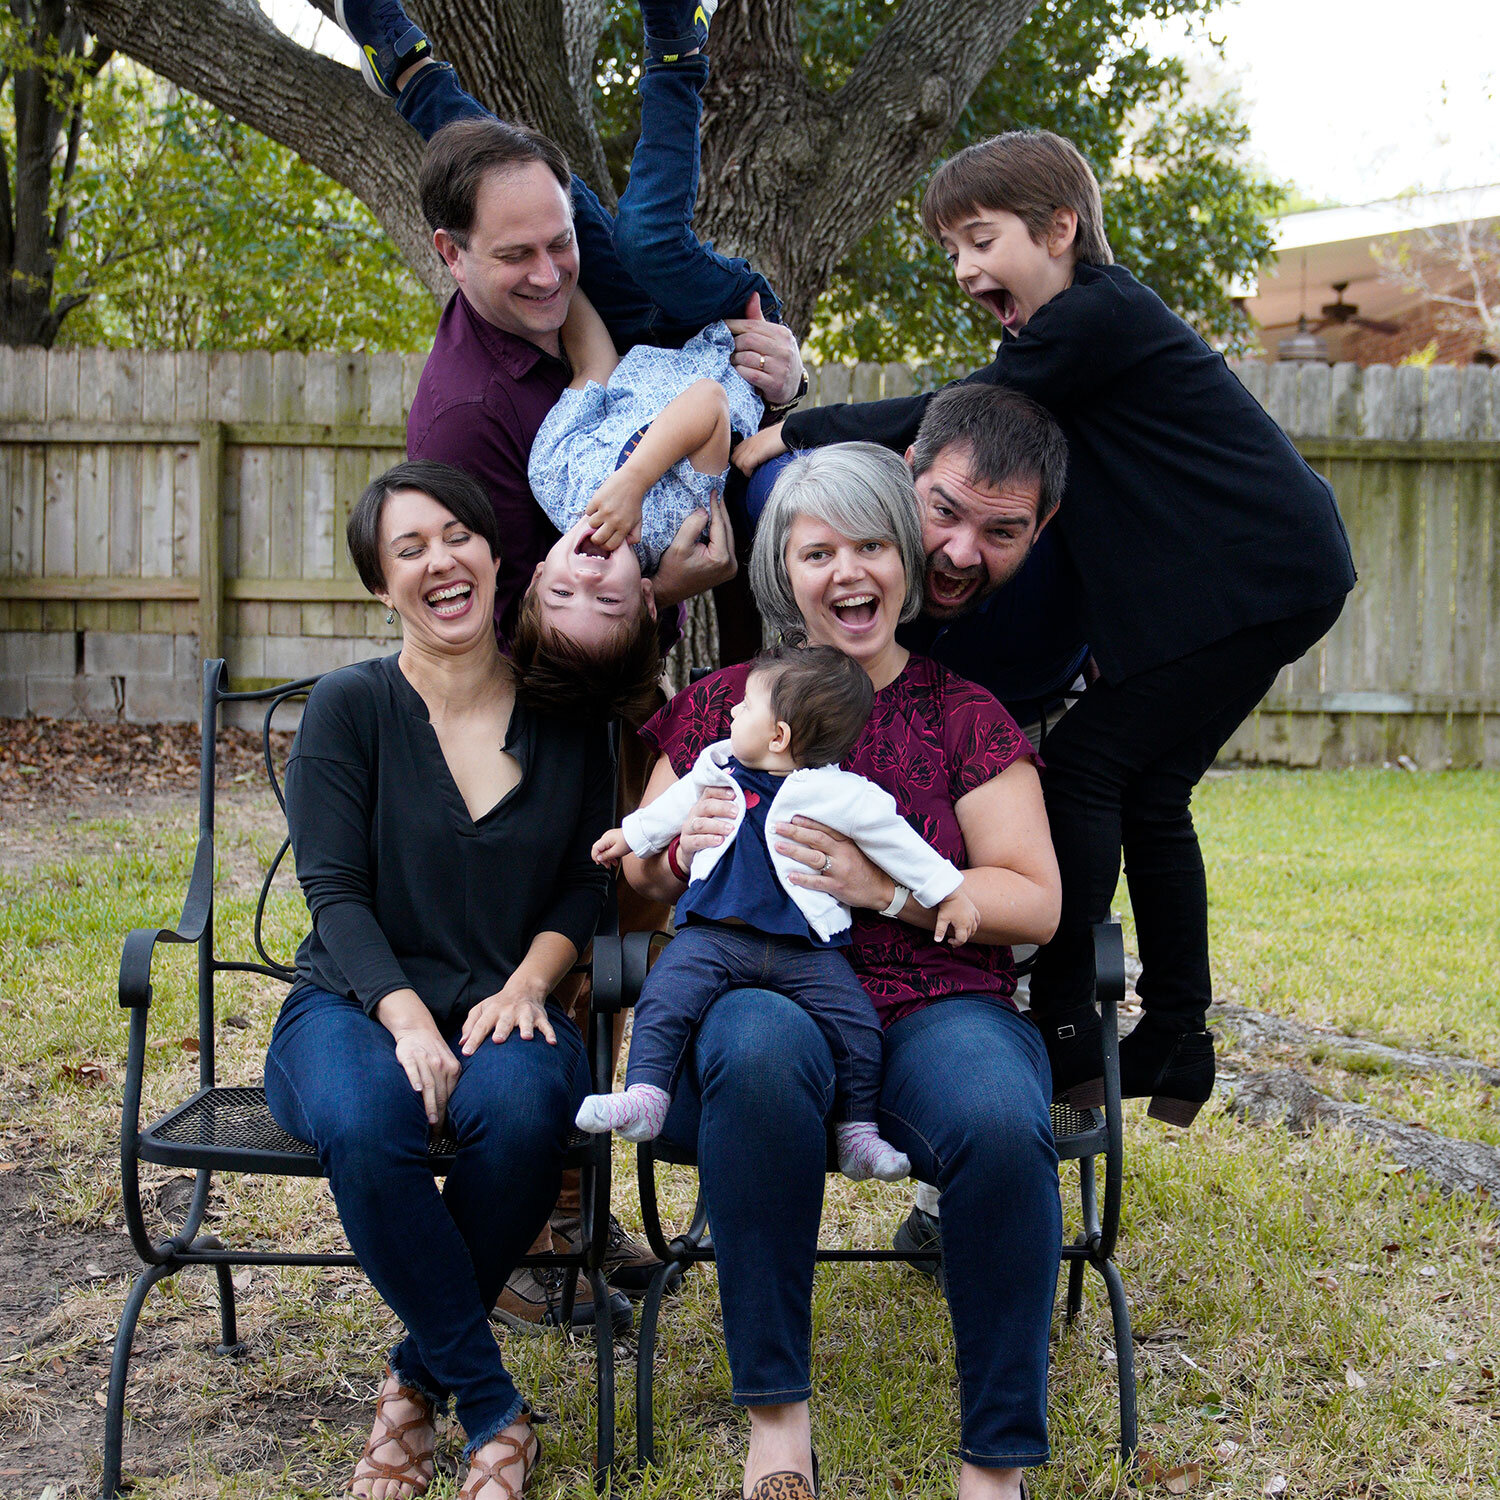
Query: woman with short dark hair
(441, 833)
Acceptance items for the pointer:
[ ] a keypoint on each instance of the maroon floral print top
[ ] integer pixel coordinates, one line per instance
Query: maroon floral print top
(932, 737)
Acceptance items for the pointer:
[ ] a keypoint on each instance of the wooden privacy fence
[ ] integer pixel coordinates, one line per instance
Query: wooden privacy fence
(161, 507)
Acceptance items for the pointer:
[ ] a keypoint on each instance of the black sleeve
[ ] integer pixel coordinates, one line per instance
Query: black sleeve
(330, 791)
(892, 423)
(579, 893)
(1072, 345)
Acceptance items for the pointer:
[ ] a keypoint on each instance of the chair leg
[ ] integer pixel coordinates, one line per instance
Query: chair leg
(604, 1352)
(114, 1406)
(1075, 1291)
(1124, 1355)
(229, 1339)
(645, 1367)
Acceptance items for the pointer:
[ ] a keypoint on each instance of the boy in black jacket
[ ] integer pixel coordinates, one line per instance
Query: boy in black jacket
(1209, 553)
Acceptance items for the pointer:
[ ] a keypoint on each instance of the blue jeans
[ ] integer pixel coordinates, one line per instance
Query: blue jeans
(966, 1096)
(707, 958)
(438, 1260)
(649, 276)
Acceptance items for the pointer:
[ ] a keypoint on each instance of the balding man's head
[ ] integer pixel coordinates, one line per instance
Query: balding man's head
(989, 465)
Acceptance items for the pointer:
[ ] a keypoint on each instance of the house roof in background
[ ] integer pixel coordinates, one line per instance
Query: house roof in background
(1327, 245)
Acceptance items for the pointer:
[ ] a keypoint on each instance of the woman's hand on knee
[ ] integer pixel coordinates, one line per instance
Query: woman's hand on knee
(431, 1069)
(519, 1008)
(428, 1061)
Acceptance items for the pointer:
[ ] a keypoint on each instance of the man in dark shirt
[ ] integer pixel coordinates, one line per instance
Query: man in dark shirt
(518, 233)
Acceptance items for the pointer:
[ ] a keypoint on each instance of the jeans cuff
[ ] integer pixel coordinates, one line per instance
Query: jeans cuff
(787, 1397)
(492, 1430)
(439, 1399)
(1004, 1460)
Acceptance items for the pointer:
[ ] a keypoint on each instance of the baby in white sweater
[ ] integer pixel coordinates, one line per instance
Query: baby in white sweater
(743, 924)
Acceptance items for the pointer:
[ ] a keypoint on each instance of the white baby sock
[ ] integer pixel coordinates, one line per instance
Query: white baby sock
(863, 1153)
(638, 1114)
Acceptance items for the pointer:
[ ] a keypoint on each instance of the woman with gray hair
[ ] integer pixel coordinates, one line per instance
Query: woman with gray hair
(837, 561)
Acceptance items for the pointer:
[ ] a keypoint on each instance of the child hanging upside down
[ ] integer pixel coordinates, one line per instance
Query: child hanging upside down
(743, 923)
(636, 445)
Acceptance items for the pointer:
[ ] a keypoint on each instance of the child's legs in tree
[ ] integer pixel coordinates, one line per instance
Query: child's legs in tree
(689, 281)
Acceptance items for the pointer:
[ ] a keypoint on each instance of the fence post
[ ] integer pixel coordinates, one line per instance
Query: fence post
(210, 540)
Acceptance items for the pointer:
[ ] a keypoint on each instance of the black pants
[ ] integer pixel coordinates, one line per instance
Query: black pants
(1120, 771)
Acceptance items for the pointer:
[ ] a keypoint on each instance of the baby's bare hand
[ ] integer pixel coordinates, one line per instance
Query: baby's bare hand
(960, 914)
(611, 848)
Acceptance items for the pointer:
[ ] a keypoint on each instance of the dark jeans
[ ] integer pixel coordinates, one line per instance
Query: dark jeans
(965, 1095)
(1121, 766)
(438, 1260)
(707, 958)
(649, 276)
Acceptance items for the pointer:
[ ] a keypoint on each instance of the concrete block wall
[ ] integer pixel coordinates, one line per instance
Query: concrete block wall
(100, 674)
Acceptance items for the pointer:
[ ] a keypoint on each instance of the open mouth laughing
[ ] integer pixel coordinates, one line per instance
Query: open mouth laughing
(450, 601)
(856, 611)
(1002, 306)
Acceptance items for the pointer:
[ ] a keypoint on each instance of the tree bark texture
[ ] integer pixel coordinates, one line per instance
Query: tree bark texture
(792, 175)
(33, 218)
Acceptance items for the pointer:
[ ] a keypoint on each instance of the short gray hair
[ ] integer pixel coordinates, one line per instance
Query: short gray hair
(864, 492)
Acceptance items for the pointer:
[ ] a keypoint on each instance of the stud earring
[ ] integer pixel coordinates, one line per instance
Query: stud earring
(390, 617)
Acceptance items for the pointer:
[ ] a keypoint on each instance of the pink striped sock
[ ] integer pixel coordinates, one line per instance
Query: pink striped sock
(863, 1153)
(638, 1114)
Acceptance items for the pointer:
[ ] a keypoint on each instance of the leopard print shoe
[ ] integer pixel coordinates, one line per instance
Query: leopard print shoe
(788, 1484)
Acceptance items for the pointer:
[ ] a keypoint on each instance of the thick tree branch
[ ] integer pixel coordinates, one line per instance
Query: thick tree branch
(778, 152)
(235, 58)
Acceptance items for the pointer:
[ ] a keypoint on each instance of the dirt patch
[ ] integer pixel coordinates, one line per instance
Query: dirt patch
(61, 1291)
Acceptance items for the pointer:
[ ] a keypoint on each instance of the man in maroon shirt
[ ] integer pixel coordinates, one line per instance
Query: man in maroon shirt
(519, 233)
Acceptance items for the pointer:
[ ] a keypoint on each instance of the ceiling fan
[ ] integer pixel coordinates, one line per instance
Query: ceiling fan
(1340, 313)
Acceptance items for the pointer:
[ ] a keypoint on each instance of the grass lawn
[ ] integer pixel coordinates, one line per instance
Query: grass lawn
(1302, 1310)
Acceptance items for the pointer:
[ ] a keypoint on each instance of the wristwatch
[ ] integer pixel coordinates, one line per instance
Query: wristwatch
(774, 414)
(897, 901)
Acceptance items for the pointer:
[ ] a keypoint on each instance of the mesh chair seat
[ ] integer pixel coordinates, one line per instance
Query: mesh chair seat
(231, 1130)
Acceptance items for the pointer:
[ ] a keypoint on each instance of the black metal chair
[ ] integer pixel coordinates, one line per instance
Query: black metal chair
(230, 1129)
(1081, 1135)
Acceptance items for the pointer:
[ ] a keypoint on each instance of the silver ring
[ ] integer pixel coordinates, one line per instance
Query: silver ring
(827, 860)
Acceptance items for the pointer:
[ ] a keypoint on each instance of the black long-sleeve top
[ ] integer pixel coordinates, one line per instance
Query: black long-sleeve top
(1188, 514)
(406, 889)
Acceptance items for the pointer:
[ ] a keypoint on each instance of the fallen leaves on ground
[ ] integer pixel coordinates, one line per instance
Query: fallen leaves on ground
(49, 761)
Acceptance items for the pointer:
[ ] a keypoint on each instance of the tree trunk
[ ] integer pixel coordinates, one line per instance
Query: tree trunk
(28, 243)
(1283, 1097)
(793, 176)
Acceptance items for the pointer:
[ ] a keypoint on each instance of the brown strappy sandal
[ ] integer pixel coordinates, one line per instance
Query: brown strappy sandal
(386, 1431)
(482, 1472)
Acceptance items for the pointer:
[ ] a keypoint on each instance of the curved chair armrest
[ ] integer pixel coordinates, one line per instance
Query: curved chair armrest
(140, 943)
(620, 965)
(1109, 990)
